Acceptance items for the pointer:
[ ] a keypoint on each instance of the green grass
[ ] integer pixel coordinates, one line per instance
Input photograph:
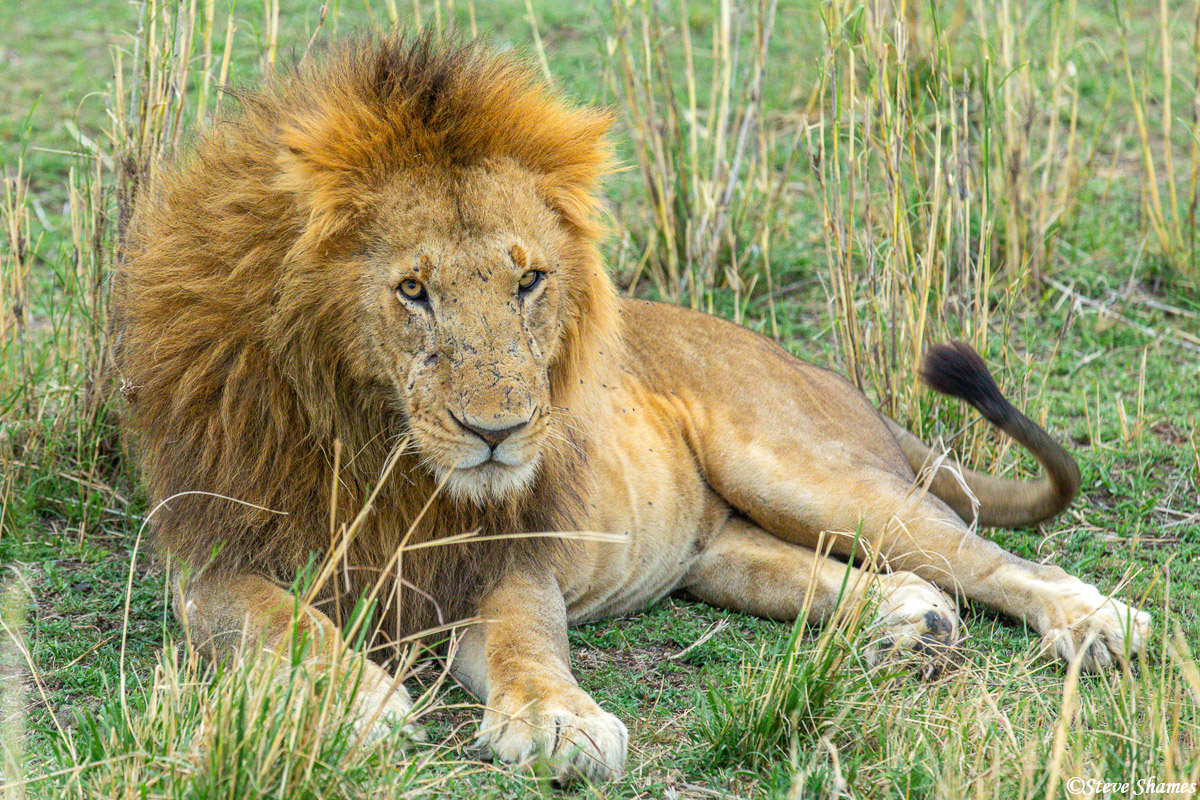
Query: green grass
(1122, 390)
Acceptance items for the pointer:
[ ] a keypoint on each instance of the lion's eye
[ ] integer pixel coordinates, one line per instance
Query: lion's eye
(530, 279)
(412, 289)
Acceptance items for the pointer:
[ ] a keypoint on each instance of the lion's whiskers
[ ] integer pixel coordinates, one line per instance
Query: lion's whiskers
(569, 441)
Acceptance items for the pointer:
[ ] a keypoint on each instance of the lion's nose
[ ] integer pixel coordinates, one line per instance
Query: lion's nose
(491, 434)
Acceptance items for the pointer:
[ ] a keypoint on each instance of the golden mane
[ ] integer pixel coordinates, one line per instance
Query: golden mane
(234, 359)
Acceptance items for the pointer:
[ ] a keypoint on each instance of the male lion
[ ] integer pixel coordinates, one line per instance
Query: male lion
(399, 244)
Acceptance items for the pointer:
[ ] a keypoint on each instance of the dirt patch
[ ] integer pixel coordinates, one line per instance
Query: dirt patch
(1170, 433)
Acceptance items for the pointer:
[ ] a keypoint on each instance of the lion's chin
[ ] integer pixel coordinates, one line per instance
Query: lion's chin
(491, 481)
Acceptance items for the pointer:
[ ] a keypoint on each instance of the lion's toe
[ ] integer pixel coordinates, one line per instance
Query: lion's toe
(576, 740)
(1096, 630)
(382, 709)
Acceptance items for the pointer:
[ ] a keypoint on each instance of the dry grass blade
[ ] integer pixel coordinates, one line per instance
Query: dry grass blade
(709, 164)
(15, 262)
(940, 191)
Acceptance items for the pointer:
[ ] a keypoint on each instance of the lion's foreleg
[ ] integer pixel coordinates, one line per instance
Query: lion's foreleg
(247, 616)
(517, 662)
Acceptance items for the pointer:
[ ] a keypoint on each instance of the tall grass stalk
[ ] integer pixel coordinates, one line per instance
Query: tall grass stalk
(152, 99)
(940, 199)
(1170, 141)
(707, 159)
(16, 255)
(1033, 167)
(53, 426)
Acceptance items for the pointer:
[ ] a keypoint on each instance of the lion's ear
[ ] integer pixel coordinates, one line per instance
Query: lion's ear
(577, 206)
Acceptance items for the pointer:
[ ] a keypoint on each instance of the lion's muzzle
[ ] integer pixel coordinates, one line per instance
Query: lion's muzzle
(491, 433)
(505, 441)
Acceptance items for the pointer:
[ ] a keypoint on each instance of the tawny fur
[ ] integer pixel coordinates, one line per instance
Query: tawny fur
(231, 335)
(399, 245)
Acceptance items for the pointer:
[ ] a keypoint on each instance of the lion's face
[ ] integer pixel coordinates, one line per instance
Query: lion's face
(468, 287)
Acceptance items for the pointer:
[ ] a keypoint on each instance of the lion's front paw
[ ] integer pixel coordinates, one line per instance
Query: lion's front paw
(572, 734)
(381, 709)
(913, 619)
(1097, 629)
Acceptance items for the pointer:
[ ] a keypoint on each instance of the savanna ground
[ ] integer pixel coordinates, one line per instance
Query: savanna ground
(856, 181)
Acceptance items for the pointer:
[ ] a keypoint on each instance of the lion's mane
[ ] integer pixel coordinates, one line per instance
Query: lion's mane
(231, 343)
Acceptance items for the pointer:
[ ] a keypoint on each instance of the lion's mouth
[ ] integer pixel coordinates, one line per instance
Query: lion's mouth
(510, 453)
(493, 458)
(491, 478)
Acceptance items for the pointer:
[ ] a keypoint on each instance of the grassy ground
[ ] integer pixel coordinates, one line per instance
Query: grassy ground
(1098, 338)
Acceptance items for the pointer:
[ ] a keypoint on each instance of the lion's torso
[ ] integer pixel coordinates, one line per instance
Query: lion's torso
(273, 370)
(649, 491)
(672, 380)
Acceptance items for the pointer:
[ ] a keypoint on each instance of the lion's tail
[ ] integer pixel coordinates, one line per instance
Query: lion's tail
(957, 370)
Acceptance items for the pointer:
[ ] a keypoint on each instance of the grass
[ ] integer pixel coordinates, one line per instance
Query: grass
(793, 695)
(1020, 175)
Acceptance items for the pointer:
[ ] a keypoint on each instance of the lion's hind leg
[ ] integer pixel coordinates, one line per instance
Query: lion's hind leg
(746, 569)
(909, 529)
(912, 530)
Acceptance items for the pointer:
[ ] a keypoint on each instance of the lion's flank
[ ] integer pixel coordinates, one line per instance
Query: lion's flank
(227, 331)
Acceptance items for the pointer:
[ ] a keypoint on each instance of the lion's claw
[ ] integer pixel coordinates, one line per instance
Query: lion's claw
(1098, 630)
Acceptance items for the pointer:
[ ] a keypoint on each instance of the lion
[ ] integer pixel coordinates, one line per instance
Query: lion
(376, 284)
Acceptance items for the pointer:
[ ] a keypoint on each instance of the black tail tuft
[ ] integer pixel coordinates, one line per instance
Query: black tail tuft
(957, 370)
